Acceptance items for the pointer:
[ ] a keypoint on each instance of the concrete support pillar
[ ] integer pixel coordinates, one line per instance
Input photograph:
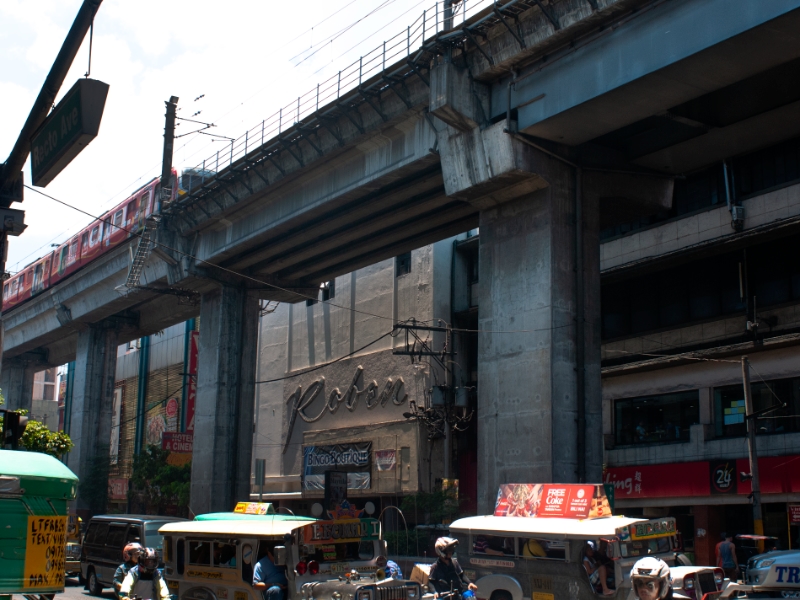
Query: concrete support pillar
(539, 392)
(16, 382)
(528, 402)
(223, 428)
(91, 411)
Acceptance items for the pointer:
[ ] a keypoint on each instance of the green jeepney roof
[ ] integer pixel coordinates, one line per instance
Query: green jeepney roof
(38, 474)
(230, 516)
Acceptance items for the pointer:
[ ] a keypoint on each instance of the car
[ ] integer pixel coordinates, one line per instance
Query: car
(775, 573)
(106, 536)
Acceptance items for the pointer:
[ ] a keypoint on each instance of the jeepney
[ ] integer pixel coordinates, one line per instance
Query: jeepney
(541, 555)
(34, 491)
(213, 558)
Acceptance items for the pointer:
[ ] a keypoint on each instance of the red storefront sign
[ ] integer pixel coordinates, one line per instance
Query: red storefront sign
(778, 475)
(181, 443)
(191, 386)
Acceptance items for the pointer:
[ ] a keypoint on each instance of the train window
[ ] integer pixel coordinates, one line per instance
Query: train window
(5, 291)
(132, 212)
(73, 251)
(85, 240)
(117, 221)
(95, 235)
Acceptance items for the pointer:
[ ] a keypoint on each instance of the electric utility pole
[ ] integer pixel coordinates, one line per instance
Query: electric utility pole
(750, 417)
(169, 143)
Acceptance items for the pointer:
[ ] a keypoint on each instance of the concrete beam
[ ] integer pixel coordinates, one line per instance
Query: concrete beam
(456, 99)
(225, 399)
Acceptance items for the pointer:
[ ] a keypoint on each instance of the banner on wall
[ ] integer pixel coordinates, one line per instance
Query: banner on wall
(777, 475)
(191, 384)
(570, 501)
(355, 459)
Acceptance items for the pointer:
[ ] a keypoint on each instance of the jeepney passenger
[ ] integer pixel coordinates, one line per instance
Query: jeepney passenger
(269, 579)
(595, 569)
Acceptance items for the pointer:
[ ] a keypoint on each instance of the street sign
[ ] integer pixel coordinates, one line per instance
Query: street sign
(73, 123)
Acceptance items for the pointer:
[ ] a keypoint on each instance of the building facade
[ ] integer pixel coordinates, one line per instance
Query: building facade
(685, 295)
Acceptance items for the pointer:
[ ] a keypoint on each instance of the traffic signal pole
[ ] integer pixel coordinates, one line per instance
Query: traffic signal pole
(11, 169)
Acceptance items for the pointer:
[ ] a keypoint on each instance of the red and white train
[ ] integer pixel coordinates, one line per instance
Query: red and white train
(101, 236)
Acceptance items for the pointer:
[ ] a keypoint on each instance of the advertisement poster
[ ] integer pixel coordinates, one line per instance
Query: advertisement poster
(355, 459)
(116, 418)
(191, 385)
(794, 514)
(45, 552)
(385, 460)
(570, 501)
(156, 426)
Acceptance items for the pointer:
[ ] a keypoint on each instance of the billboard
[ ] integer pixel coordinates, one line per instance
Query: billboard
(355, 459)
(562, 500)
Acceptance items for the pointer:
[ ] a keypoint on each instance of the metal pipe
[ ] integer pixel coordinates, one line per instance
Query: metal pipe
(49, 91)
(727, 185)
(580, 337)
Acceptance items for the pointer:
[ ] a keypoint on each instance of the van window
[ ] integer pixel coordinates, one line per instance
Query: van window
(495, 545)
(134, 534)
(116, 535)
(541, 548)
(199, 553)
(151, 535)
(100, 533)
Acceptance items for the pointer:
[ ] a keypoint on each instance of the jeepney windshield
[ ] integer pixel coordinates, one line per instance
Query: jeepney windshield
(645, 547)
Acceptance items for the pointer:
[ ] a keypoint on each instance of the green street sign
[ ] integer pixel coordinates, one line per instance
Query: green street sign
(73, 123)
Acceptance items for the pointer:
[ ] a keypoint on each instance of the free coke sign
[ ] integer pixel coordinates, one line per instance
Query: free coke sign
(570, 501)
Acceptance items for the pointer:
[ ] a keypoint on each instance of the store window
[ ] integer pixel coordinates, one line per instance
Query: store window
(729, 408)
(660, 419)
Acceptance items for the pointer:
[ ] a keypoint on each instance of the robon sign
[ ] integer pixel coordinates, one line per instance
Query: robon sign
(73, 123)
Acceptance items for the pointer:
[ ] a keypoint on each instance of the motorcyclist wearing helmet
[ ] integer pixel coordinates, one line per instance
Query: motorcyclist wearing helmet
(446, 573)
(651, 579)
(130, 554)
(145, 580)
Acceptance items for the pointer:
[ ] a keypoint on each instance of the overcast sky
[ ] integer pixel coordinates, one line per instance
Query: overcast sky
(245, 57)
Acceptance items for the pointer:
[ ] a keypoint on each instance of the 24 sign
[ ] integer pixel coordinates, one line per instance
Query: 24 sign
(723, 476)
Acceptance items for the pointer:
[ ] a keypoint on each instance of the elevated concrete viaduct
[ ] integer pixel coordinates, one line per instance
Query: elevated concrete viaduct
(540, 122)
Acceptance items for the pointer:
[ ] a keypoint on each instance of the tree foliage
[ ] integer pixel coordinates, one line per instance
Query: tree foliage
(158, 483)
(38, 438)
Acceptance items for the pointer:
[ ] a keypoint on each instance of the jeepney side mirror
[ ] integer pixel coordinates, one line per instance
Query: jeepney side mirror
(280, 556)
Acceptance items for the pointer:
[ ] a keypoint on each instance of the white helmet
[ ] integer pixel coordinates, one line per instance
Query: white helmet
(653, 573)
(445, 544)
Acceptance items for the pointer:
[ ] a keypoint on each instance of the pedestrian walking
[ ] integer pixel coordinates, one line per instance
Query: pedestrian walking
(726, 557)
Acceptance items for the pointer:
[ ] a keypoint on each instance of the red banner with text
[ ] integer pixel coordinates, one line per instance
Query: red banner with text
(778, 475)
